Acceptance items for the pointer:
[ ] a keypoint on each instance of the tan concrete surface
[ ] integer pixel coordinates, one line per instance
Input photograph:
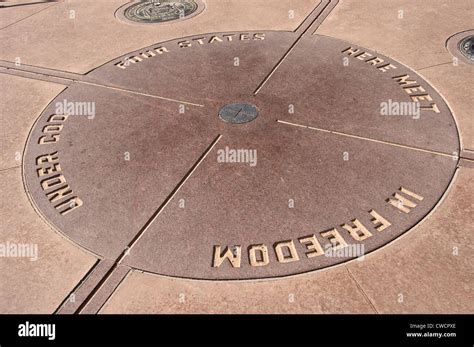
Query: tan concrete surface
(330, 291)
(22, 102)
(34, 286)
(95, 36)
(14, 14)
(417, 39)
(430, 270)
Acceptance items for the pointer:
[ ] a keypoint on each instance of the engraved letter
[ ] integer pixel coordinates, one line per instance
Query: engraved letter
(263, 259)
(313, 245)
(292, 256)
(386, 67)
(351, 51)
(69, 205)
(233, 258)
(53, 181)
(379, 222)
(59, 193)
(402, 203)
(47, 158)
(358, 232)
(335, 238)
(403, 80)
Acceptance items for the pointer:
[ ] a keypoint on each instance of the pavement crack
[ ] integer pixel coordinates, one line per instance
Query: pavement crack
(361, 290)
(22, 19)
(9, 168)
(434, 65)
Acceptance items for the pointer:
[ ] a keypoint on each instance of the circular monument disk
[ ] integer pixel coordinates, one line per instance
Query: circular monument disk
(241, 156)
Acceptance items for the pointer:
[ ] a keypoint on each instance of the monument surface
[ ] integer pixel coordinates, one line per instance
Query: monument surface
(209, 156)
(207, 189)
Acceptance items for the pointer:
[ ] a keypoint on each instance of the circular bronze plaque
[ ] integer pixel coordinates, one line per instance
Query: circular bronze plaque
(238, 113)
(160, 11)
(466, 46)
(461, 46)
(350, 150)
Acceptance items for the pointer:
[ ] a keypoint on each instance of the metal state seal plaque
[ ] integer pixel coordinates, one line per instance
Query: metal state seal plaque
(160, 11)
